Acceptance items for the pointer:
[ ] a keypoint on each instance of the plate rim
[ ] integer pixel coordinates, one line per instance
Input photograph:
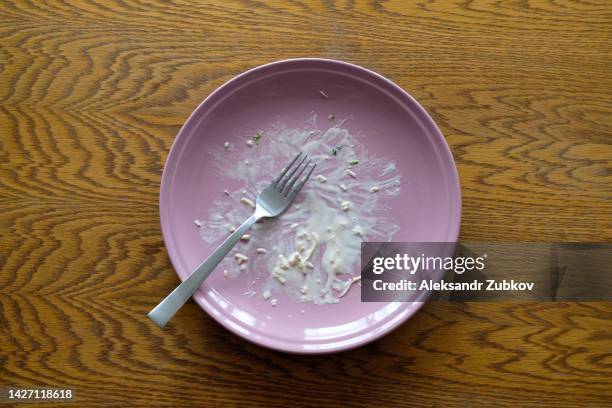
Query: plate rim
(405, 310)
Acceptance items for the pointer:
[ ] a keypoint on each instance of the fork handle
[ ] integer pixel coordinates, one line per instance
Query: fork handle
(164, 311)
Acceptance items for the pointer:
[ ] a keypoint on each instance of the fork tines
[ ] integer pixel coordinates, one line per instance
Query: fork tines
(285, 183)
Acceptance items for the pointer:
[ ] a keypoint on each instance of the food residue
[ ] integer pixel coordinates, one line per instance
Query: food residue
(311, 252)
(241, 258)
(248, 202)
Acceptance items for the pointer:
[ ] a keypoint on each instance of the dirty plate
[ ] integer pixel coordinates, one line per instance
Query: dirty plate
(393, 125)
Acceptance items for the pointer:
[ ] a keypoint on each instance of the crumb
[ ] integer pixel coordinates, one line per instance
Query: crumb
(331, 117)
(227, 145)
(266, 295)
(351, 173)
(261, 250)
(226, 192)
(241, 258)
(197, 223)
(343, 187)
(226, 273)
(245, 237)
(321, 178)
(294, 225)
(345, 205)
(249, 143)
(248, 202)
(309, 265)
(323, 94)
(295, 259)
(374, 189)
(273, 302)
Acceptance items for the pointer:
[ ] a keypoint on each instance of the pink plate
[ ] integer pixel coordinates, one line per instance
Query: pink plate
(394, 125)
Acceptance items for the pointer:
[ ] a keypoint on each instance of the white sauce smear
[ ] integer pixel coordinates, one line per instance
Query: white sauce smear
(312, 251)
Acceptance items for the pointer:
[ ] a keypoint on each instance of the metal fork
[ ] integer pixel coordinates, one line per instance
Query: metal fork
(272, 202)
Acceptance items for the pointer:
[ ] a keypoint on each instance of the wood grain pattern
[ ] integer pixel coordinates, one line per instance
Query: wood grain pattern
(92, 95)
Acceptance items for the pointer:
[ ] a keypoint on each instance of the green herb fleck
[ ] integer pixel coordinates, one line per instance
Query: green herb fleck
(257, 138)
(335, 150)
(354, 162)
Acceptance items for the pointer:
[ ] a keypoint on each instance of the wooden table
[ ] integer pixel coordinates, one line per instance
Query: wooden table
(92, 95)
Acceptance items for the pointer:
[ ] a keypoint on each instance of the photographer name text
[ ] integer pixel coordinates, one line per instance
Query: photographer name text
(475, 285)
